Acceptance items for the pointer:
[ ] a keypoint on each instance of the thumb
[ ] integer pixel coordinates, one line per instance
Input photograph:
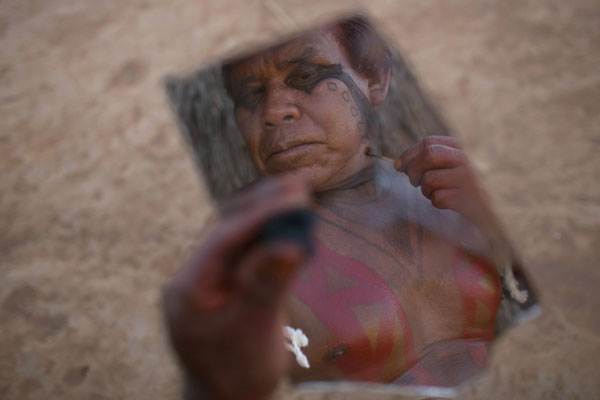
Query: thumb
(269, 269)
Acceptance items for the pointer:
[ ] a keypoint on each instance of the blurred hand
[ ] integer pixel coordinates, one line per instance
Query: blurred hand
(439, 166)
(224, 310)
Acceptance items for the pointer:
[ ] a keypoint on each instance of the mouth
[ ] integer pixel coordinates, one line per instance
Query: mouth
(289, 150)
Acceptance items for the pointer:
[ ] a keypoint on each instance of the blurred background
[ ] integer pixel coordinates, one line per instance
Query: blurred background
(100, 201)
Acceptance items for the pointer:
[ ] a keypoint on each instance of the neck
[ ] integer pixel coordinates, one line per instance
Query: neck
(357, 187)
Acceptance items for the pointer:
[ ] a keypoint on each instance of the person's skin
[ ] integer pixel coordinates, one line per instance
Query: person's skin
(298, 123)
(304, 119)
(224, 310)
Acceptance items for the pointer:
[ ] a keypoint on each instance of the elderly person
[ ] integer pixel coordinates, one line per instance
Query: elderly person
(398, 288)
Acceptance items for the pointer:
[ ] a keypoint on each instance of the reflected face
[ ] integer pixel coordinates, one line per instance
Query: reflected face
(301, 109)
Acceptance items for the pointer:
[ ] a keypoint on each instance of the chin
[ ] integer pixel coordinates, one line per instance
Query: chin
(321, 170)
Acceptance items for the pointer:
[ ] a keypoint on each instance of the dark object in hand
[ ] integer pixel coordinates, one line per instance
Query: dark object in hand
(296, 225)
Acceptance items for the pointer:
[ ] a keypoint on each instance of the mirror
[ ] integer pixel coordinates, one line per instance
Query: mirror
(410, 280)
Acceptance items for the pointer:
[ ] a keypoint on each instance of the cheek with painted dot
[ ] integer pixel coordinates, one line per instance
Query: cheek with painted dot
(347, 98)
(336, 110)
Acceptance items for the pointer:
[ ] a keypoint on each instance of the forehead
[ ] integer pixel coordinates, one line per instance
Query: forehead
(320, 47)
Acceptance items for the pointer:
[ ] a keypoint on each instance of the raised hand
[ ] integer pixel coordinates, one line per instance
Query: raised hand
(224, 310)
(439, 166)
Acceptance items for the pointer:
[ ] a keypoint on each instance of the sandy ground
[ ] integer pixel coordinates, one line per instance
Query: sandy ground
(100, 203)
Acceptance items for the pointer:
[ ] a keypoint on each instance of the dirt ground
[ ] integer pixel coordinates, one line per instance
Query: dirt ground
(100, 202)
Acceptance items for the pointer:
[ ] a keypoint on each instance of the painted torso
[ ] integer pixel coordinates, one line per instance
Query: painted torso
(394, 292)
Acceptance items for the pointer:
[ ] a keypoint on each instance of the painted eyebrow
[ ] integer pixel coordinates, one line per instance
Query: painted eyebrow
(306, 56)
(239, 86)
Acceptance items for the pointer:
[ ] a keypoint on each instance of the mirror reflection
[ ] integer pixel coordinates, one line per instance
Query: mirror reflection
(392, 267)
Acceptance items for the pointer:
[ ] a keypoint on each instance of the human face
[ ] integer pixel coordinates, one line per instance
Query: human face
(301, 109)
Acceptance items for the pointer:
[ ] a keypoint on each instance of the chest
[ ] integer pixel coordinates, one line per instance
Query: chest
(371, 299)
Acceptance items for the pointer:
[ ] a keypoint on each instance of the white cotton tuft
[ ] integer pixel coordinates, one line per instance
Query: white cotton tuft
(512, 285)
(296, 339)
(504, 261)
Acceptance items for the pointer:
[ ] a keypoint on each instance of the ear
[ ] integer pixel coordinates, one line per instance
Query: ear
(379, 82)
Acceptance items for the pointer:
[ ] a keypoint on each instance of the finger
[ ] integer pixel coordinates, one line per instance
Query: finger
(445, 199)
(433, 157)
(212, 263)
(267, 272)
(240, 227)
(406, 157)
(179, 299)
(445, 178)
(209, 280)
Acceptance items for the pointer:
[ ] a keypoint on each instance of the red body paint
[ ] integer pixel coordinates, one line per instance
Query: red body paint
(333, 308)
(479, 287)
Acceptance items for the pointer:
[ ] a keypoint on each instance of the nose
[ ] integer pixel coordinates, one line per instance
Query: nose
(280, 107)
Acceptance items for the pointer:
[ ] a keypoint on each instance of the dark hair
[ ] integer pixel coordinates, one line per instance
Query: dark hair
(366, 51)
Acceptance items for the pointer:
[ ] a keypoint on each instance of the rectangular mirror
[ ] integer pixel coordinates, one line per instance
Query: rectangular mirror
(411, 280)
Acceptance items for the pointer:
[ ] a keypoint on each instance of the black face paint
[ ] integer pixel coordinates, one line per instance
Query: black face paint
(305, 77)
(249, 98)
(369, 124)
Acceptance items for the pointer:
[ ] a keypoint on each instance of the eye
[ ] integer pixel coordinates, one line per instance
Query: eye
(303, 79)
(250, 97)
(255, 90)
